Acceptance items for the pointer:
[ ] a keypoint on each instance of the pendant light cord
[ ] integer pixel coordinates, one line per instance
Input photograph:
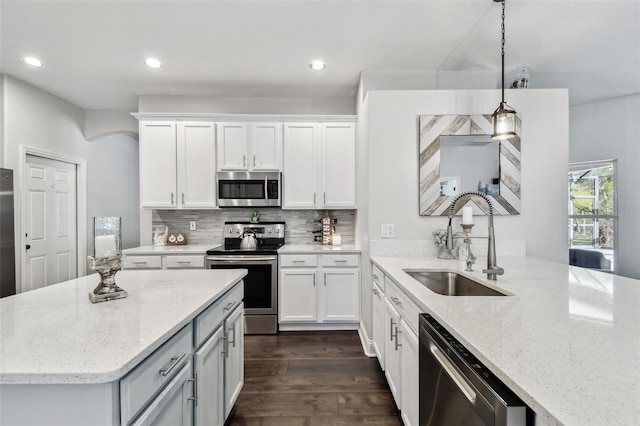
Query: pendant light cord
(502, 52)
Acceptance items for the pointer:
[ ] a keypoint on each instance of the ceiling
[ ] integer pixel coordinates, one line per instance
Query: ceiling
(93, 50)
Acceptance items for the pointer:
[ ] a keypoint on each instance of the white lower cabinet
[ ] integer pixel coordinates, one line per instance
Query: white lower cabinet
(319, 292)
(208, 365)
(196, 376)
(409, 378)
(392, 355)
(234, 359)
(172, 407)
(157, 261)
(395, 341)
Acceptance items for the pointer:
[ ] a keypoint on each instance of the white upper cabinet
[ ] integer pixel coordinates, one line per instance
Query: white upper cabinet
(338, 147)
(300, 168)
(177, 165)
(319, 166)
(158, 167)
(250, 146)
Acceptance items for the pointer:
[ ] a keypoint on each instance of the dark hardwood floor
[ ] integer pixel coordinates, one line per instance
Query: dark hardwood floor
(312, 379)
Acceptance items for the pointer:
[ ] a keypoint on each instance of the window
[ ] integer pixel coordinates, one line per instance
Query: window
(592, 214)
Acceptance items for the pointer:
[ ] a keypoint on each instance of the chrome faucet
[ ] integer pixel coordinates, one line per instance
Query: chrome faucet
(493, 270)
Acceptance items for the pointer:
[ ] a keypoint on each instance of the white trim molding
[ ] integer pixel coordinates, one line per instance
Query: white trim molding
(367, 343)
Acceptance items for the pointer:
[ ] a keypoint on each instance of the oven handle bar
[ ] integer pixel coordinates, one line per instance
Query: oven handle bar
(242, 259)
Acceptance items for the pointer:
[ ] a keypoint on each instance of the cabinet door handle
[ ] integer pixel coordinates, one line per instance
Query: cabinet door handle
(183, 198)
(224, 346)
(254, 160)
(233, 342)
(325, 279)
(314, 280)
(194, 398)
(391, 329)
(314, 198)
(397, 344)
(172, 197)
(244, 161)
(324, 198)
(172, 364)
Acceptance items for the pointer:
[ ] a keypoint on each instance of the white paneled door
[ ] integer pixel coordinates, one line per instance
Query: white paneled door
(50, 214)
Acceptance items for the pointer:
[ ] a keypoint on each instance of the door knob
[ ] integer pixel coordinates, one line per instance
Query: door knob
(28, 246)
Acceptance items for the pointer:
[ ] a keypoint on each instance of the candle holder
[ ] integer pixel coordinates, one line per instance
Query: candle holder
(107, 267)
(470, 258)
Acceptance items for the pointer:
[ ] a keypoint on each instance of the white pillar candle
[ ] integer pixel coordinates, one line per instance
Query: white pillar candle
(105, 246)
(467, 215)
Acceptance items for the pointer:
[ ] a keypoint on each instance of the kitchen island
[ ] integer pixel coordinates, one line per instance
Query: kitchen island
(69, 359)
(567, 341)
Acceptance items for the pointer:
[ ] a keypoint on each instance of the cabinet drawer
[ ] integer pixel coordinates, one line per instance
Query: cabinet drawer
(185, 262)
(143, 262)
(377, 277)
(340, 260)
(150, 376)
(298, 260)
(209, 320)
(405, 306)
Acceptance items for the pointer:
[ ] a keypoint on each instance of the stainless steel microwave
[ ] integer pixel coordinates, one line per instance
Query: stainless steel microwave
(249, 189)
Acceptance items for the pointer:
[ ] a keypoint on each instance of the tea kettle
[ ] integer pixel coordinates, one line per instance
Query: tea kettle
(249, 240)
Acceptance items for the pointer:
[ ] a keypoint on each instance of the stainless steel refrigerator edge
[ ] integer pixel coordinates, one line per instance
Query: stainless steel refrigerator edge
(7, 237)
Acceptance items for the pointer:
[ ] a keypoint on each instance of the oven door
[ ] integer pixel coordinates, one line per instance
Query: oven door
(260, 284)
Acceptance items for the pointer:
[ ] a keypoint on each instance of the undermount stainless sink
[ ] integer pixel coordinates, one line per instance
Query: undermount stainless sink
(452, 284)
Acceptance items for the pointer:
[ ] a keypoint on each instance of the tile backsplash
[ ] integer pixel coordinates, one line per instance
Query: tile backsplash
(299, 228)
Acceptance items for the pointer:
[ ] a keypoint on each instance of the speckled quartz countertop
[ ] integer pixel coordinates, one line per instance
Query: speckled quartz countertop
(55, 335)
(567, 341)
(317, 249)
(185, 249)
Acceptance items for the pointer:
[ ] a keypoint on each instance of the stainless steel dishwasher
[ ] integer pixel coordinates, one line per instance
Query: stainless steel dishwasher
(456, 389)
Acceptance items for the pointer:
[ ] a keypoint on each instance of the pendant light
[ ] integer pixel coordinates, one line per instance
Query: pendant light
(504, 117)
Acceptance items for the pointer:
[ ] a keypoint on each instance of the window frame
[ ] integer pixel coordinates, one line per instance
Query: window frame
(596, 217)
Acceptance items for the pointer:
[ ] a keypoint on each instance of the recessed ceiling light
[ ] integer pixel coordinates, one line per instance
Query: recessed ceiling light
(152, 63)
(317, 65)
(34, 62)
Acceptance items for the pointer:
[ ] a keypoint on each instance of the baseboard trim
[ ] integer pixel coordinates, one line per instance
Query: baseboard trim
(317, 327)
(367, 344)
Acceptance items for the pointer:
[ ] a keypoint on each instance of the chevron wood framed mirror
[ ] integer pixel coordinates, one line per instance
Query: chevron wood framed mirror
(456, 154)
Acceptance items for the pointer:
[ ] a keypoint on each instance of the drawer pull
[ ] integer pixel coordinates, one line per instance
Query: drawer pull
(340, 261)
(230, 305)
(140, 262)
(375, 292)
(396, 301)
(375, 277)
(298, 261)
(175, 360)
(183, 261)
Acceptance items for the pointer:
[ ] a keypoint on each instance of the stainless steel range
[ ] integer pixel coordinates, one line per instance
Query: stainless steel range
(253, 246)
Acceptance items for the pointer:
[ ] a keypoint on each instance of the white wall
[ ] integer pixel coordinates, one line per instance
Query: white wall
(605, 130)
(37, 119)
(246, 105)
(393, 164)
(100, 123)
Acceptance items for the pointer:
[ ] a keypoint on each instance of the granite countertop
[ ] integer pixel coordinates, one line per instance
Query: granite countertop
(55, 335)
(317, 249)
(185, 249)
(567, 341)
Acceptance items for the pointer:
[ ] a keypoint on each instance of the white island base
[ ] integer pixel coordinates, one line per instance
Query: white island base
(170, 353)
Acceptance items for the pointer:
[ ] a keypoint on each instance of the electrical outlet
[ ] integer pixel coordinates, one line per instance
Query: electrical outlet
(192, 225)
(387, 230)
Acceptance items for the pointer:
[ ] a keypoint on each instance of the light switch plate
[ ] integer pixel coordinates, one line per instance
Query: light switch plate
(387, 230)
(192, 225)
